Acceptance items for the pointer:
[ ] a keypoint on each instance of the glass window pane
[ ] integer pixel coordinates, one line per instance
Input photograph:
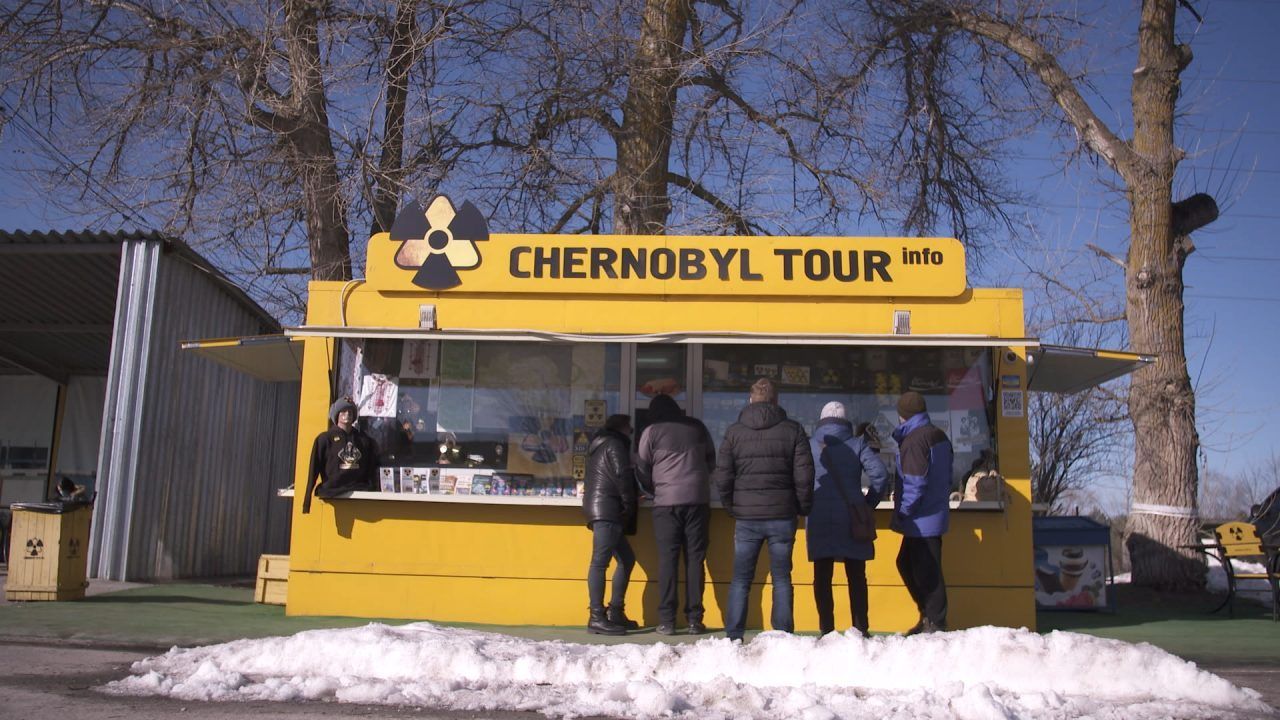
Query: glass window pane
(956, 384)
(524, 408)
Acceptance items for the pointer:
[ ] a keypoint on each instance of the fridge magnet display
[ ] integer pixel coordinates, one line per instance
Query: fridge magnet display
(769, 370)
(829, 378)
(795, 374)
(462, 482)
(406, 480)
(888, 385)
(481, 484)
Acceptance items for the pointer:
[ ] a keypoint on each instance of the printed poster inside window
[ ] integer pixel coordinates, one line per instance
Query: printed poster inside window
(419, 359)
(378, 396)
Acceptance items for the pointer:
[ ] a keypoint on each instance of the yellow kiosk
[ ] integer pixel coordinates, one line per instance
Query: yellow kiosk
(482, 363)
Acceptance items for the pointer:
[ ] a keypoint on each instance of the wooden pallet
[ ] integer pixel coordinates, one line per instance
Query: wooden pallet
(272, 587)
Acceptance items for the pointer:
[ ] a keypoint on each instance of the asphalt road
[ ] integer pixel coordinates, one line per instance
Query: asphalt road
(56, 682)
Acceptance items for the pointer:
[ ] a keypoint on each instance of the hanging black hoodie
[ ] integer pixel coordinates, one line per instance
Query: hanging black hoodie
(764, 470)
(344, 460)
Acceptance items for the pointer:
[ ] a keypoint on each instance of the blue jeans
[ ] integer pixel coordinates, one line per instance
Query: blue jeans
(748, 536)
(608, 542)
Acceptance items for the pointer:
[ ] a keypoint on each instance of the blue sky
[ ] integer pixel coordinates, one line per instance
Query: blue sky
(1231, 128)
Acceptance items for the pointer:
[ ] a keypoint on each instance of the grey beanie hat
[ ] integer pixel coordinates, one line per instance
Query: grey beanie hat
(833, 409)
(342, 403)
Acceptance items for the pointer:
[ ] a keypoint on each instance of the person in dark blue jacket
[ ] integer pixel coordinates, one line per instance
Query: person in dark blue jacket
(922, 509)
(839, 459)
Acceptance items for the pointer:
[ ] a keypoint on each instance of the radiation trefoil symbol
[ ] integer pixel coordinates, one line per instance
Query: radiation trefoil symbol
(439, 241)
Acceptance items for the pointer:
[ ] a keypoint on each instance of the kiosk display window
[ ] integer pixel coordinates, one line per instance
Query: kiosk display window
(468, 417)
(955, 382)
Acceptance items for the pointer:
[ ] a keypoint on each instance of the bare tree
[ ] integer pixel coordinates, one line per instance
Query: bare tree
(243, 128)
(1161, 398)
(653, 116)
(1225, 497)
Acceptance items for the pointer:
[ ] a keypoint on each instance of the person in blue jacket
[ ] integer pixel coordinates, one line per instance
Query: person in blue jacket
(839, 459)
(922, 509)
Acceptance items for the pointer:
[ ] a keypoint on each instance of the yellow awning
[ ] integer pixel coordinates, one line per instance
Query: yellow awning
(703, 337)
(1060, 369)
(274, 358)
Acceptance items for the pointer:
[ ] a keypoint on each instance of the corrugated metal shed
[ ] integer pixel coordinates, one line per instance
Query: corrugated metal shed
(191, 453)
(59, 298)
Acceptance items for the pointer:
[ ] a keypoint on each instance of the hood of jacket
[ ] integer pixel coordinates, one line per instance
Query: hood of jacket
(916, 421)
(761, 415)
(833, 430)
(605, 436)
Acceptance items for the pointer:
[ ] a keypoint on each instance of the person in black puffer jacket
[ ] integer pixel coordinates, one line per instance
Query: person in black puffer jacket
(609, 504)
(764, 473)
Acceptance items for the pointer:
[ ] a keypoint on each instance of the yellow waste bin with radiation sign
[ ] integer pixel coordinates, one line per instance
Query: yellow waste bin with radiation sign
(48, 548)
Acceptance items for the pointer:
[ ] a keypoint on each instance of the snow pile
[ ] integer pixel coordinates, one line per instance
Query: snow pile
(975, 674)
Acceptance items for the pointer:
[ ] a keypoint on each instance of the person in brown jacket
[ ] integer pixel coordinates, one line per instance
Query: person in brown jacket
(673, 463)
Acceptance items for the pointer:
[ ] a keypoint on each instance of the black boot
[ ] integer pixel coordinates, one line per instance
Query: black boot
(599, 624)
(618, 616)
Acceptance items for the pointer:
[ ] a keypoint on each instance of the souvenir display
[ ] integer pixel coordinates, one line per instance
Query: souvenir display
(387, 479)
(419, 359)
(378, 396)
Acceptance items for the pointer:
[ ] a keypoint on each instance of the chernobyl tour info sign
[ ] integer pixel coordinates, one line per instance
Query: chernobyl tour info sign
(451, 251)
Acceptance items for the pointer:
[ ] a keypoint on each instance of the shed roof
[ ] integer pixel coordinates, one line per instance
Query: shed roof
(58, 298)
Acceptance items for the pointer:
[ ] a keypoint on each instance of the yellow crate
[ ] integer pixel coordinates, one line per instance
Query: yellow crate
(272, 587)
(48, 555)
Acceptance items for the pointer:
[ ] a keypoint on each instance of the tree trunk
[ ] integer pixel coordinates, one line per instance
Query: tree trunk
(403, 53)
(1161, 399)
(641, 198)
(328, 237)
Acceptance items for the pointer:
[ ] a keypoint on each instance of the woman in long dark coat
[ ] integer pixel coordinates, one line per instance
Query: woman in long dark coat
(840, 457)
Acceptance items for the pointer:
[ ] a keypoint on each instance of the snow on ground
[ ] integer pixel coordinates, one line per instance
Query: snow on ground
(977, 674)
